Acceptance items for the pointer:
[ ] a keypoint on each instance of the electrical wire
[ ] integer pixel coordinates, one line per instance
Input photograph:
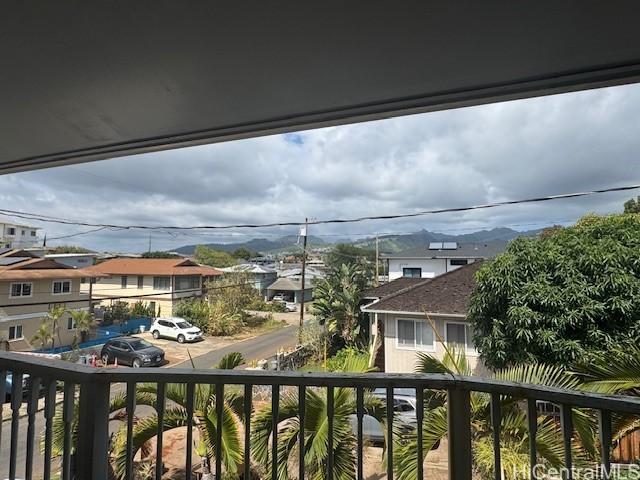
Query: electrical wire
(42, 218)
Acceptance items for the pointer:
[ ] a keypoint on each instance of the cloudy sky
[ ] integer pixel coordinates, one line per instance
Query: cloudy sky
(566, 143)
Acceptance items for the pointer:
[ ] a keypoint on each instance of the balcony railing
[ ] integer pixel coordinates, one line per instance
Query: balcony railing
(92, 389)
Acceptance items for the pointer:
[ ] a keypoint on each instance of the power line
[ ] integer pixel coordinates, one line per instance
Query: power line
(33, 216)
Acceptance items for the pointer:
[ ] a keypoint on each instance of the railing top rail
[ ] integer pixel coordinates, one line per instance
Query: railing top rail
(84, 374)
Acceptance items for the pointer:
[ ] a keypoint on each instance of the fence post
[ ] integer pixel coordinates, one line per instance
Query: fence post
(92, 452)
(459, 429)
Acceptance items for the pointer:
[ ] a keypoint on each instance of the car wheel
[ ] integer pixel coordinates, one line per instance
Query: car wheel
(105, 359)
(180, 338)
(156, 334)
(137, 363)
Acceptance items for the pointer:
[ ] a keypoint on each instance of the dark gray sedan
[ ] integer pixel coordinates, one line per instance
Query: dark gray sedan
(132, 351)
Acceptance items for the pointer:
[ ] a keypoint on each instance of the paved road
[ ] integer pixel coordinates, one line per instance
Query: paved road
(253, 348)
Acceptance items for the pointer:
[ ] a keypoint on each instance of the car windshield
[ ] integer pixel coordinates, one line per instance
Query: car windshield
(140, 345)
(183, 325)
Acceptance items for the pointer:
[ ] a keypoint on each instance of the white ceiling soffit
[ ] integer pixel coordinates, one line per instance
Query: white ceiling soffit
(82, 81)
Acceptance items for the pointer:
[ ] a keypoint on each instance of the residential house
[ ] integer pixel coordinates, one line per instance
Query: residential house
(75, 260)
(159, 282)
(260, 276)
(29, 287)
(15, 235)
(438, 258)
(291, 289)
(404, 312)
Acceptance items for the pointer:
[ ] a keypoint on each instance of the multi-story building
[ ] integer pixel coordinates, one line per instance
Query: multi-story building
(14, 235)
(30, 286)
(159, 282)
(438, 258)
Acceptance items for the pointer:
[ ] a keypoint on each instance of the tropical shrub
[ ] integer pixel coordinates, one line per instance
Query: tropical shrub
(569, 295)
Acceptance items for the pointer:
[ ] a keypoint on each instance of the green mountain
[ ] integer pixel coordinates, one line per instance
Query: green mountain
(387, 243)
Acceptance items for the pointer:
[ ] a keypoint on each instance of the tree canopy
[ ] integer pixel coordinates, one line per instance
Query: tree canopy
(562, 298)
(214, 258)
(344, 254)
(242, 252)
(632, 205)
(159, 254)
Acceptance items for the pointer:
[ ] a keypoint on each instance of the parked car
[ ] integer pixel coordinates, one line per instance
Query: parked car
(132, 351)
(176, 328)
(404, 414)
(290, 306)
(9, 384)
(279, 298)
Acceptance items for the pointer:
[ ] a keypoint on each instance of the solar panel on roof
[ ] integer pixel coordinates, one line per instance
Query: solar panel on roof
(435, 245)
(450, 245)
(11, 260)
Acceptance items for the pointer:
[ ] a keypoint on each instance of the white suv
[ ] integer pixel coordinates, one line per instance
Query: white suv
(177, 328)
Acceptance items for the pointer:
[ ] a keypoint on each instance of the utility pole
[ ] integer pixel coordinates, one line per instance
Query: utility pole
(377, 280)
(149, 242)
(304, 233)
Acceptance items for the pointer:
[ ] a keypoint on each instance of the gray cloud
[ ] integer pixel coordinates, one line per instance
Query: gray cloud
(510, 150)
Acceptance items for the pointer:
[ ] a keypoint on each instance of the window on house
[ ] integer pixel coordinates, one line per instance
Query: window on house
(187, 282)
(33, 233)
(458, 261)
(71, 325)
(415, 334)
(140, 281)
(459, 335)
(161, 283)
(15, 332)
(21, 289)
(61, 287)
(123, 281)
(412, 272)
(22, 233)
(11, 231)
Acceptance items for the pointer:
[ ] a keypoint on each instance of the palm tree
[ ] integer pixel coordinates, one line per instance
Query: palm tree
(52, 318)
(43, 334)
(316, 429)
(83, 321)
(515, 434)
(205, 420)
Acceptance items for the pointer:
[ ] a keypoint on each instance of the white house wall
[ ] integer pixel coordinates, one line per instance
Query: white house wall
(431, 267)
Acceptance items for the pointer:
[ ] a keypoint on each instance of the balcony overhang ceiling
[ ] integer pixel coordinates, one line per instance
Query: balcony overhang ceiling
(82, 81)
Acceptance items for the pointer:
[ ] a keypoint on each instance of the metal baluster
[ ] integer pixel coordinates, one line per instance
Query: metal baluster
(566, 422)
(219, 423)
(32, 408)
(302, 396)
(419, 426)
(189, 446)
(532, 420)
(67, 419)
(330, 405)
(496, 421)
(248, 394)
(275, 416)
(390, 406)
(3, 395)
(360, 416)
(160, 405)
(16, 400)
(131, 410)
(49, 414)
(459, 427)
(604, 431)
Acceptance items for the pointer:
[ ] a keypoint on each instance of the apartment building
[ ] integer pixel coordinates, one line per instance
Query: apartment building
(159, 282)
(15, 235)
(29, 287)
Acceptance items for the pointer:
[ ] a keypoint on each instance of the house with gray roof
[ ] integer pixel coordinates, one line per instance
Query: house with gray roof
(437, 258)
(412, 316)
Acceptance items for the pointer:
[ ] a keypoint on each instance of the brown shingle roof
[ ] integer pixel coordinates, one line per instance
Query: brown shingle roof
(392, 287)
(152, 266)
(41, 268)
(446, 294)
